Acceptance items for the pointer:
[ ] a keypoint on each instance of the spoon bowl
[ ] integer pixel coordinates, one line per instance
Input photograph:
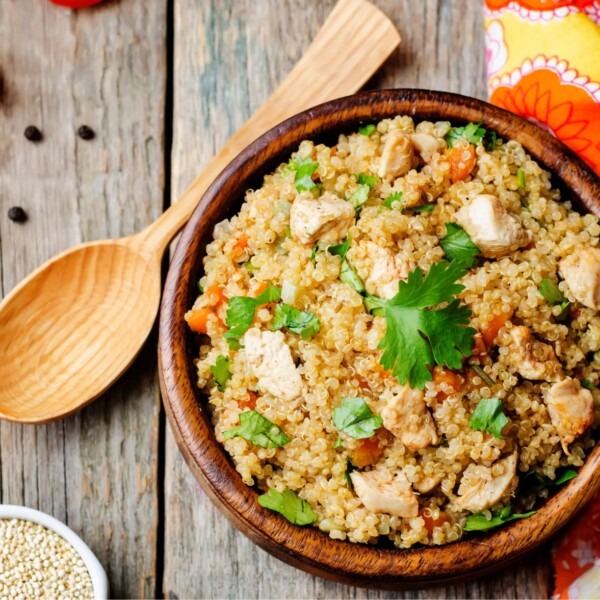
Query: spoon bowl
(74, 325)
(110, 291)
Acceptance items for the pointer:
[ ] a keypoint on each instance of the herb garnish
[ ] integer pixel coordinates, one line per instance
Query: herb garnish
(473, 133)
(395, 197)
(347, 273)
(488, 416)
(521, 179)
(354, 417)
(458, 245)
(534, 482)
(220, 371)
(349, 468)
(420, 208)
(481, 522)
(298, 321)
(338, 443)
(554, 296)
(305, 169)
(587, 384)
(367, 129)
(295, 509)
(483, 374)
(258, 430)
(418, 335)
(240, 312)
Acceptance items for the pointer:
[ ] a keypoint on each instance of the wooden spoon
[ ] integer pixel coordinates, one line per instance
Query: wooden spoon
(74, 325)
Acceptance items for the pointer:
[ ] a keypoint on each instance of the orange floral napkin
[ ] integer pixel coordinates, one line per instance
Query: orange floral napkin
(543, 59)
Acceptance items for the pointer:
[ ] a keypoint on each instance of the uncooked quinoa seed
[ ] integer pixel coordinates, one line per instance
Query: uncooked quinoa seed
(38, 563)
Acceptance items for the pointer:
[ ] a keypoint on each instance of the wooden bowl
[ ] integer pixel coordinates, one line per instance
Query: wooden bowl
(308, 548)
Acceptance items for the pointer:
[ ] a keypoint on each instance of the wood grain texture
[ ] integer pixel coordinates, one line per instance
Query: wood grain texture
(186, 407)
(251, 45)
(104, 67)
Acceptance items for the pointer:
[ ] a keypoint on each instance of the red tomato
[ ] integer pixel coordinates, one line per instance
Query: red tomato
(76, 3)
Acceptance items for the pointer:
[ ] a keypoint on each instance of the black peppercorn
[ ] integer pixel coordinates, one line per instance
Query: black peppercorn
(17, 214)
(32, 133)
(86, 133)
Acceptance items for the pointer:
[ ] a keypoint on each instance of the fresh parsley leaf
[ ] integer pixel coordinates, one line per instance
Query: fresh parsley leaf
(200, 288)
(587, 384)
(553, 296)
(240, 312)
(258, 430)
(347, 273)
(521, 179)
(366, 179)
(338, 443)
(418, 336)
(313, 254)
(367, 129)
(483, 374)
(395, 197)
(534, 482)
(220, 371)
(354, 417)
(298, 321)
(305, 169)
(340, 249)
(249, 266)
(458, 246)
(489, 140)
(488, 416)
(349, 468)
(420, 208)
(472, 132)
(360, 196)
(295, 509)
(481, 522)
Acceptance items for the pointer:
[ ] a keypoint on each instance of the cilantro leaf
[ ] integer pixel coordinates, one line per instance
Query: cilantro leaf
(347, 273)
(240, 312)
(349, 468)
(416, 338)
(534, 482)
(298, 321)
(367, 129)
(472, 132)
(489, 140)
(553, 296)
(481, 522)
(458, 246)
(360, 196)
(420, 208)
(354, 417)
(366, 179)
(220, 371)
(587, 384)
(295, 509)
(338, 443)
(340, 249)
(258, 430)
(395, 197)
(488, 416)
(521, 179)
(305, 169)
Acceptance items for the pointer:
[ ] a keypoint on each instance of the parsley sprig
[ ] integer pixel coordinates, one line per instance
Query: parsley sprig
(488, 416)
(361, 195)
(481, 521)
(220, 371)
(458, 245)
(389, 201)
(305, 169)
(302, 322)
(354, 417)
(347, 273)
(534, 482)
(258, 430)
(295, 509)
(554, 296)
(367, 129)
(473, 133)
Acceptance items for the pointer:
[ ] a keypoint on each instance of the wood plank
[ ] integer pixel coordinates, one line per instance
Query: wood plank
(104, 67)
(228, 57)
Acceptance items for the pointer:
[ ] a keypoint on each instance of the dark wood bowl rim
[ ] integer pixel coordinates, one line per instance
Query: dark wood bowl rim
(308, 548)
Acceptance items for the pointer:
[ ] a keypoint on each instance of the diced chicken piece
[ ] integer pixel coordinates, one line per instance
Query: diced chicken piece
(571, 409)
(382, 492)
(493, 230)
(427, 145)
(581, 271)
(327, 218)
(480, 488)
(270, 359)
(386, 269)
(427, 483)
(533, 359)
(406, 417)
(397, 156)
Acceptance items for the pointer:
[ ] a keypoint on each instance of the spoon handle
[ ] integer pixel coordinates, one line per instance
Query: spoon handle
(351, 45)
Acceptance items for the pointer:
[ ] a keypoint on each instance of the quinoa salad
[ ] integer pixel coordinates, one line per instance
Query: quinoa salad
(399, 334)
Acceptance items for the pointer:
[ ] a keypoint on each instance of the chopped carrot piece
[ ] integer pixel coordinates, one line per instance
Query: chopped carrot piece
(364, 384)
(250, 402)
(446, 378)
(215, 295)
(490, 332)
(462, 160)
(379, 368)
(431, 523)
(260, 289)
(367, 453)
(240, 245)
(479, 345)
(199, 319)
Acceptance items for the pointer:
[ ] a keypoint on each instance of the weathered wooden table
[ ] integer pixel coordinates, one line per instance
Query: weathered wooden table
(163, 83)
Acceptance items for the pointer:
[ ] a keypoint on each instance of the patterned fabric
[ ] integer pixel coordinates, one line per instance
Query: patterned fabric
(543, 60)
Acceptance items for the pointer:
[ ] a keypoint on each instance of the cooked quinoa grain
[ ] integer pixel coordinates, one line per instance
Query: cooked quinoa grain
(306, 313)
(37, 563)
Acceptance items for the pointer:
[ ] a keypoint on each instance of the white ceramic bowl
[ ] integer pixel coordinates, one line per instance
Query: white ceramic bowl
(95, 569)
